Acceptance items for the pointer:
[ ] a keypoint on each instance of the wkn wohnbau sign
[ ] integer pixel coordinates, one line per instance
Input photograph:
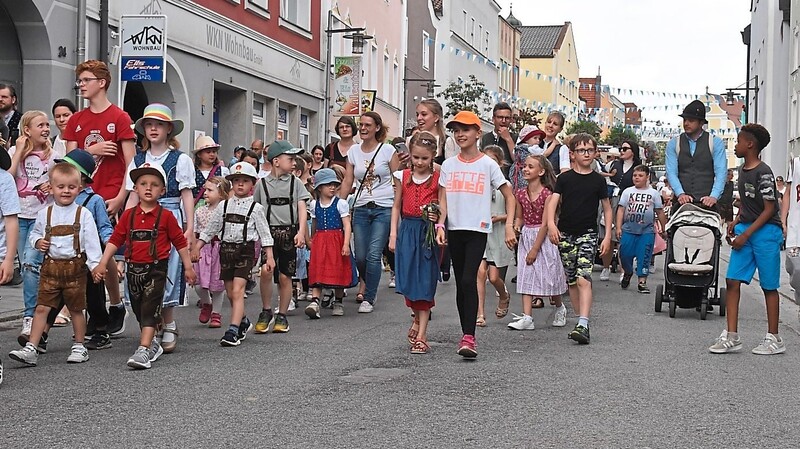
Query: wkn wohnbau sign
(144, 48)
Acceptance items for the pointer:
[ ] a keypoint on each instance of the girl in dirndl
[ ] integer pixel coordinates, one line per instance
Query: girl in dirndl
(417, 257)
(331, 265)
(539, 269)
(210, 288)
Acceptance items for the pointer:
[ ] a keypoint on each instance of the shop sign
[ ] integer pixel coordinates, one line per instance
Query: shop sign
(143, 48)
(347, 86)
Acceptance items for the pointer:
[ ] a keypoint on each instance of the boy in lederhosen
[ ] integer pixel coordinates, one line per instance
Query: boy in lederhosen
(238, 222)
(149, 233)
(284, 197)
(67, 235)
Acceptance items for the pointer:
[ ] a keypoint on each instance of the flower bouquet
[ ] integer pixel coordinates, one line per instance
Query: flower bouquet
(430, 213)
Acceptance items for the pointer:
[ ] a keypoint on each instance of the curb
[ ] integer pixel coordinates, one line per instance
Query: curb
(11, 316)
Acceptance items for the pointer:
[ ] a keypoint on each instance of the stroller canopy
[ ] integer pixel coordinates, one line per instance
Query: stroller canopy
(692, 215)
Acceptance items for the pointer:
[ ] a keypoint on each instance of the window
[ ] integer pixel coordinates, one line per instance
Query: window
(373, 67)
(386, 92)
(426, 50)
(304, 132)
(466, 23)
(259, 118)
(297, 12)
(472, 31)
(283, 123)
(486, 43)
(258, 7)
(396, 84)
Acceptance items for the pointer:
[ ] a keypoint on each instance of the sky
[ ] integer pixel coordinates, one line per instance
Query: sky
(678, 46)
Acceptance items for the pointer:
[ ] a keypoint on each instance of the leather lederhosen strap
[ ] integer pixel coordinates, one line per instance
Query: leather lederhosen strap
(280, 201)
(236, 219)
(232, 255)
(65, 230)
(143, 236)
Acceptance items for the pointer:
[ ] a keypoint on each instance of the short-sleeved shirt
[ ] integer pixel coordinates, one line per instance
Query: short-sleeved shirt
(341, 206)
(169, 233)
(90, 200)
(184, 170)
(580, 196)
(281, 215)
(378, 183)
(9, 205)
(32, 172)
(88, 128)
(639, 210)
(757, 185)
(468, 187)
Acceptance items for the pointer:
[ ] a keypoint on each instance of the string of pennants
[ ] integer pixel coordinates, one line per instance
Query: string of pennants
(562, 81)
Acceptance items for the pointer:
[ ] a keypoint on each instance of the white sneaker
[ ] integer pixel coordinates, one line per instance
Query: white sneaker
(338, 309)
(771, 345)
(560, 319)
(605, 274)
(312, 310)
(27, 322)
(522, 323)
(79, 354)
(392, 284)
(292, 305)
(652, 269)
(365, 307)
(621, 276)
(724, 344)
(26, 355)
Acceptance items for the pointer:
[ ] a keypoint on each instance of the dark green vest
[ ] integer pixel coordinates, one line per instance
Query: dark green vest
(696, 173)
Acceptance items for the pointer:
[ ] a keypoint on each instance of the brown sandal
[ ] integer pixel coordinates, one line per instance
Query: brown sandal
(412, 333)
(420, 347)
(481, 321)
(502, 305)
(537, 303)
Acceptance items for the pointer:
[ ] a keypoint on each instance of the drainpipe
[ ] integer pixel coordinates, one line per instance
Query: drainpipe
(104, 31)
(80, 46)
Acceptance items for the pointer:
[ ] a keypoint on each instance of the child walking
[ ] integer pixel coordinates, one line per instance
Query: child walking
(67, 237)
(528, 144)
(539, 269)
(210, 287)
(331, 263)
(31, 162)
(580, 191)
(149, 233)
(469, 180)
(160, 130)
(755, 239)
(497, 256)
(9, 225)
(639, 206)
(417, 257)
(238, 222)
(207, 165)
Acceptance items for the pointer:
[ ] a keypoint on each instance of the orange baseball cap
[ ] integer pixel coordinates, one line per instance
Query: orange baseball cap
(465, 118)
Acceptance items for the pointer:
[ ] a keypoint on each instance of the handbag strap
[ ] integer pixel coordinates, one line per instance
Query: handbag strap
(361, 183)
(203, 187)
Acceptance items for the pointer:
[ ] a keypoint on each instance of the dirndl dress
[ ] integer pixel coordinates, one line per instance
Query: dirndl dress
(328, 268)
(208, 266)
(416, 264)
(545, 277)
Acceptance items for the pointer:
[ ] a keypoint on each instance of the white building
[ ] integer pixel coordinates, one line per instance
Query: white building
(794, 79)
(769, 61)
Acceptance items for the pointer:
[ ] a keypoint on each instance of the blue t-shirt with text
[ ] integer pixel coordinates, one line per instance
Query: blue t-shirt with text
(639, 210)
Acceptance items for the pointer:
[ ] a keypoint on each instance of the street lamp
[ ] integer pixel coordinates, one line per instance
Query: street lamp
(359, 38)
(730, 100)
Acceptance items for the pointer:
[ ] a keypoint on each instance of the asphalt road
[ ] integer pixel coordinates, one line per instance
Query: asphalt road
(645, 381)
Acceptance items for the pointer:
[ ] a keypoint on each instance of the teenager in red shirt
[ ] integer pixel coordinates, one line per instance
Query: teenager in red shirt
(104, 130)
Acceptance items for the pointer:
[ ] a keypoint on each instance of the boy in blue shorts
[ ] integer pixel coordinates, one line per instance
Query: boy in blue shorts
(755, 238)
(580, 191)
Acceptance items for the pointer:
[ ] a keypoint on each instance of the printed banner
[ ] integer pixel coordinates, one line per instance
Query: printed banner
(144, 48)
(347, 86)
(368, 100)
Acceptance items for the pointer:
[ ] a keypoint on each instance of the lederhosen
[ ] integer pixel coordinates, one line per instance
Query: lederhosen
(283, 248)
(146, 280)
(64, 279)
(236, 259)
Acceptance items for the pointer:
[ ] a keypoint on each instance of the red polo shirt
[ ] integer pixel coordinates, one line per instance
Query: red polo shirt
(169, 233)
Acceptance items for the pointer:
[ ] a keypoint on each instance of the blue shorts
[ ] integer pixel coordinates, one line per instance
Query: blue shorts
(762, 251)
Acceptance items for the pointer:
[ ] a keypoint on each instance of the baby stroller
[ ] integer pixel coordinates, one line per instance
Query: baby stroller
(691, 262)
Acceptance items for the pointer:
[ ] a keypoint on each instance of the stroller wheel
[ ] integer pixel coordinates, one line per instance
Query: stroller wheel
(703, 309)
(672, 307)
(722, 301)
(659, 297)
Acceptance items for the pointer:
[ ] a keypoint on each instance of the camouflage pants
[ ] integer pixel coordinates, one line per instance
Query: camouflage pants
(577, 255)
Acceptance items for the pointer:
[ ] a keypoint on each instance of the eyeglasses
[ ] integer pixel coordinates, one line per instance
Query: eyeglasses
(585, 151)
(81, 81)
(503, 117)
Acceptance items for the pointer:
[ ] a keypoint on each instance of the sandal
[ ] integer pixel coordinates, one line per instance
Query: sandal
(537, 303)
(413, 333)
(502, 305)
(420, 347)
(481, 321)
(360, 298)
(170, 347)
(552, 301)
(62, 321)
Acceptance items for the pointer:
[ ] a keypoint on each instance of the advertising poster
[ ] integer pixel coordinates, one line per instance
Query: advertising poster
(347, 86)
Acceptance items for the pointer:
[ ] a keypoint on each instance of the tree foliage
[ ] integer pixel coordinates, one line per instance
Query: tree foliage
(584, 126)
(466, 95)
(656, 155)
(619, 134)
(523, 117)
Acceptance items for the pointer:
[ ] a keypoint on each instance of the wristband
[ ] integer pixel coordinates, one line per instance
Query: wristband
(439, 226)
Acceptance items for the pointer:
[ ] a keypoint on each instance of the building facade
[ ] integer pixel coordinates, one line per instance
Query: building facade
(549, 68)
(421, 56)
(509, 40)
(794, 81)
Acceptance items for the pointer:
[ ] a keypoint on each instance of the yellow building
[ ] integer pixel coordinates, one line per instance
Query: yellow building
(722, 127)
(549, 68)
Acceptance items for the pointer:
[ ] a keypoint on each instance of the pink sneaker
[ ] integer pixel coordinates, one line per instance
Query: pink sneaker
(468, 348)
(216, 320)
(205, 313)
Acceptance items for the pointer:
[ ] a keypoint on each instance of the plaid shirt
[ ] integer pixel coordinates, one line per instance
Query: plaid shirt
(257, 227)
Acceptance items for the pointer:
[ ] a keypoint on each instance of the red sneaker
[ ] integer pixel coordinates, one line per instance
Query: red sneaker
(216, 320)
(468, 348)
(205, 313)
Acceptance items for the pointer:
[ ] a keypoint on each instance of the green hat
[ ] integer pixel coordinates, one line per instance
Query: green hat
(281, 147)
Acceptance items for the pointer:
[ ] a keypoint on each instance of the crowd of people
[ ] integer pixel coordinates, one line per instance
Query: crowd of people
(93, 208)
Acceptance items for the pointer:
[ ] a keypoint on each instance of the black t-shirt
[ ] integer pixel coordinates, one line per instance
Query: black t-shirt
(334, 156)
(580, 196)
(756, 186)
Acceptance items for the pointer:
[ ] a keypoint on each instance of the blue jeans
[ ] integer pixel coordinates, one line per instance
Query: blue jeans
(30, 260)
(370, 234)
